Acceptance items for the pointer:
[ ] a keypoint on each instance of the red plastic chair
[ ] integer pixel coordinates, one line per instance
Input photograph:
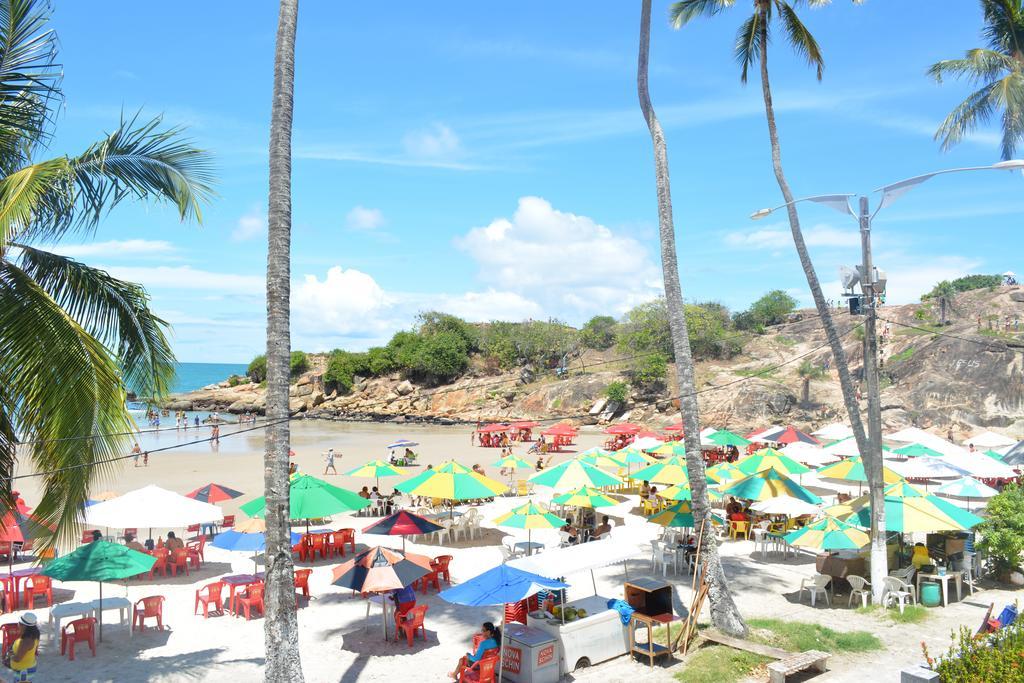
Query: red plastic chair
(78, 631)
(484, 670)
(305, 547)
(37, 586)
(229, 521)
(427, 579)
(196, 552)
(440, 565)
(302, 580)
(412, 622)
(131, 531)
(87, 535)
(149, 608)
(192, 529)
(178, 561)
(10, 633)
(162, 555)
(207, 595)
(343, 536)
(251, 600)
(318, 544)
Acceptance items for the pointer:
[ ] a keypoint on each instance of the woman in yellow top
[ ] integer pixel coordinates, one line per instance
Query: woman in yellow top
(22, 657)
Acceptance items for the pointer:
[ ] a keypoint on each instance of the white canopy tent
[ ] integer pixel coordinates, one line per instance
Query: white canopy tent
(152, 507)
(577, 558)
(809, 454)
(924, 468)
(785, 505)
(834, 432)
(990, 440)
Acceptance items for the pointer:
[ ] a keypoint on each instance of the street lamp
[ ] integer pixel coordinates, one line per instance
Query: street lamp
(870, 281)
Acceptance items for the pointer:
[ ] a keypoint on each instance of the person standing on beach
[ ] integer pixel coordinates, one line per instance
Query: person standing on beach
(215, 433)
(136, 452)
(329, 459)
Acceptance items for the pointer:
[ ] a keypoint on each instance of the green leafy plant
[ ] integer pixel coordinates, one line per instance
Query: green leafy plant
(617, 392)
(969, 659)
(649, 372)
(599, 332)
(1003, 530)
(298, 364)
(257, 369)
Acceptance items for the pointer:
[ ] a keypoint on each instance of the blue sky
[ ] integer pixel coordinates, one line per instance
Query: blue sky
(495, 164)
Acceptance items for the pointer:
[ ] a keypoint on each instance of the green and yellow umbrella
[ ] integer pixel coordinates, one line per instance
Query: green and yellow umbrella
(586, 497)
(376, 469)
(992, 454)
(908, 510)
(530, 516)
(723, 437)
(451, 481)
(573, 474)
(670, 471)
(680, 515)
(673, 448)
(768, 484)
(770, 458)
(916, 450)
(725, 472)
(599, 457)
(683, 492)
(512, 462)
(852, 469)
(829, 533)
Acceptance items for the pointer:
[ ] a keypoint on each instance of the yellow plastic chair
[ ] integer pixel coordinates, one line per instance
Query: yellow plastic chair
(737, 528)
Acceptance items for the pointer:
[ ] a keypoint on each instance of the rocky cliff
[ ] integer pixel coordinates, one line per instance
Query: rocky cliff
(961, 375)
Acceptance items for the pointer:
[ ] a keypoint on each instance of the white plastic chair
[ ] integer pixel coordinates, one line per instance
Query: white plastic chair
(859, 586)
(967, 569)
(819, 584)
(897, 591)
(445, 530)
(905, 575)
(563, 539)
(660, 555)
(461, 527)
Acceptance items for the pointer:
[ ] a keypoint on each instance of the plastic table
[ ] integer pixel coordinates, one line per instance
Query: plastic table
(68, 609)
(236, 580)
(122, 605)
(944, 580)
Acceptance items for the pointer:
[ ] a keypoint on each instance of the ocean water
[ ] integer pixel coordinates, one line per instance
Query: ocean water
(192, 376)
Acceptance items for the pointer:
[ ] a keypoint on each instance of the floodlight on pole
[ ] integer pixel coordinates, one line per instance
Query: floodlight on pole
(839, 202)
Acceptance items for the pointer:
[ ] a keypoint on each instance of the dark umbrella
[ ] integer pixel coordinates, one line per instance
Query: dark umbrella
(213, 493)
(789, 435)
(402, 524)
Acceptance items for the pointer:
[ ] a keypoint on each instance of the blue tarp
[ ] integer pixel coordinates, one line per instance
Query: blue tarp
(498, 586)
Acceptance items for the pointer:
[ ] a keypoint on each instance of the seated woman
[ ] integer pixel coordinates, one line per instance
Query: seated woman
(491, 641)
(404, 600)
(570, 528)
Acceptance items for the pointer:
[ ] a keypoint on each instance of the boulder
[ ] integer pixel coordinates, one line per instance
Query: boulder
(405, 387)
(302, 390)
(180, 404)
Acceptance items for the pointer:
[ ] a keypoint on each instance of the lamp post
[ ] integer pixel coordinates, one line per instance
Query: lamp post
(868, 278)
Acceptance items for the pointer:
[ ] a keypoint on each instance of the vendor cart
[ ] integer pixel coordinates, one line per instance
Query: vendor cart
(597, 637)
(530, 655)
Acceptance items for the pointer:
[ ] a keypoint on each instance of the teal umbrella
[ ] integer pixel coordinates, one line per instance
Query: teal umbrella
(967, 487)
(724, 437)
(311, 498)
(916, 450)
(99, 561)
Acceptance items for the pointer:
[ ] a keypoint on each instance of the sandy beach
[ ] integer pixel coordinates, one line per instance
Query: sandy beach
(338, 643)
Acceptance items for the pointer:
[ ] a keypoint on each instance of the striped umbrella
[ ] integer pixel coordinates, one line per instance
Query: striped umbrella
(916, 450)
(376, 469)
(680, 515)
(725, 472)
(967, 487)
(670, 471)
(683, 492)
(723, 437)
(852, 469)
(380, 569)
(402, 523)
(451, 481)
(908, 513)
(530, 516)
(586, 497)
(213, 493)
(572, 474)
(632, 455)
(829, 533)
(599, 457)
(992, 454)
(788, 435)
(768, 484)
(770, 458)
(673, 448)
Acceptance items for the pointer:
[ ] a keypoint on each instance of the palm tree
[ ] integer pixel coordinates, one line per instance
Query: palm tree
(946, 293)
(752, 41)
(281, 629)
(808, 371)
(999, 69)
(72, 338)
(724, 612)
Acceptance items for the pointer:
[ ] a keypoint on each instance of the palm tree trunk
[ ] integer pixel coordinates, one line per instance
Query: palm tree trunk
(871, 453)
(281, 630)
(942, 310)
(724, 613)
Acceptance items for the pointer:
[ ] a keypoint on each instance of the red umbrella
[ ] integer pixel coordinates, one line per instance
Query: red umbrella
(526, 424)
(493, 428)
(790, 435)
(17, 527)
(677, 427)
(649, 435)
(402, 523)
(380, 569)
(213, 493)
(560, 430)
(623, 428)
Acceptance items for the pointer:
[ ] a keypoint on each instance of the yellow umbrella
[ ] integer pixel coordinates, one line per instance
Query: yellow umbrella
(585, 497)
(599, 457)
(682, 492)
(451, 481)
(633, 455)
(852, 469)
(670, 471)
(573, 474)
(724, 472)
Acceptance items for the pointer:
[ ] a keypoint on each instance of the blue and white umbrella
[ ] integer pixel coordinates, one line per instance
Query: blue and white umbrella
(402, 443)
(246, 542)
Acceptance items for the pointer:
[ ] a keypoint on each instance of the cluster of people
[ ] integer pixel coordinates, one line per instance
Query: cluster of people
(408, 457)
(584, 533)
(648, 492)
(735, 512)
(374, 494)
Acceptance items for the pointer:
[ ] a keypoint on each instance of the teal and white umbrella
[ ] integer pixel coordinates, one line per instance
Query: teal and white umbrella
(967, 487)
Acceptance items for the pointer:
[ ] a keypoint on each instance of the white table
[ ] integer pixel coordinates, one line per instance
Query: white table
(382, 600)
(122, 605)
(944, 580)
(68, 609)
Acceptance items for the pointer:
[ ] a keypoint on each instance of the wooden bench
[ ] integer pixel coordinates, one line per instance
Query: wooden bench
(777, 671)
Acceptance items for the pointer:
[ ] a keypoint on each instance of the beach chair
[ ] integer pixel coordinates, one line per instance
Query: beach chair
(819, 583)
(130, 531)
(192, 529)
(895, 590)
(160, 565)
(210, 594)
(440, 564)
(250, 601)
(179, 560)
(738, 528)
(229, 521)
(38, 586)
(427, 580)
(10, 633)
(151, 607)
(318, 545)
(461, 527)
(482, 671)
(524, 487)
(412, 621)
(197, 552)
(78, 631)
(87, 535)
(343, 536)
(302, 581)
(859, 586)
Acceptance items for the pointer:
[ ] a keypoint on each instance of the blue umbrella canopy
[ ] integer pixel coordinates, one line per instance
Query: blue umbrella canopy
(246, 542)
(498, 586)
(402, 443)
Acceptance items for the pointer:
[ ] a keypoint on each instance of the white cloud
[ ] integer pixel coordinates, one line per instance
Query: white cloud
(345, 302)
(779, 237)
(187, 277)
(489, 305)
(250, 225)
(437, 142)
(114, 248)
(362, 218)
(570, 265)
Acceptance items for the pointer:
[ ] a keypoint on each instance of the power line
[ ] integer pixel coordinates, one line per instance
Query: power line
(988, 345)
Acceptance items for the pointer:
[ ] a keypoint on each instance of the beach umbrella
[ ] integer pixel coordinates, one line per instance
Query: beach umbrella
(152, 507)
(402, 443)
(834, 432)
(493, 428)
(788, 435)
(680, 514)
(530, 516)
(561, 429)
(402, 523)
(99, 561)
(852, 469)
(967, 487)
(683, 492)
(585, 497)
(18, 527)
(724, 437)
(758, 434)
(916, 450)
(311, 498)
(525, 424)
(829, 534)
(376, 469)
(925, 468)
(768, 484)
(675, 427)
(634, 456)
(512, 462)
(623, 428)
(992, 454)
(213, 493)
(573, 474)
(599, 457)
(249, 536)
(785, 505)
(646, 442)
(672, 448)
(104, 496)
(908, 513)
(451, 481)
(724, 472)
(770, 458)
(990, 440)
(670, 471)
(808, 454)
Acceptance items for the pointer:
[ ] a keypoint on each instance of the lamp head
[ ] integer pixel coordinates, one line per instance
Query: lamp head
(760, 213)
(1010, 164)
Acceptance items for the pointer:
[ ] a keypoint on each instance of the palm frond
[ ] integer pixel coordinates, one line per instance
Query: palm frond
(1004, 25)
(965, 118)
(748, 43)
(681, 13)
(1011, 94)
(60, 384)
(113, 311)
(978, 66)
(800, 37)
(30, 192)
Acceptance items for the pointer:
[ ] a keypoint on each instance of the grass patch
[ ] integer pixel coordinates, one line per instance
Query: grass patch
(902, 355)
(719, 664)
(797, 636)
(912, 614)
(785, 341)
(765, 371)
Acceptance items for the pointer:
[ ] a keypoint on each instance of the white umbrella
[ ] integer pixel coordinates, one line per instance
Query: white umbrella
(834, 432)
(152, 507)
(646, 442)
(924, 468)
(808, 454)
(990, 440)
(844, 448)
(785, 505)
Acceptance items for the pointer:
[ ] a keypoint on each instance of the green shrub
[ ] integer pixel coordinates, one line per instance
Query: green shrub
(435, 322)
(235, 380)
(342, 367)
(645, 328)
(541, 342)
(403, 348)
(770, 309)
(380, 361)
(617, 392)
(651, 370)
(598, 332)
(963, 284)
(257, 369)
(298, 364)
(1003, 530)
(999, 657)
(710, 337)
(440, 358)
